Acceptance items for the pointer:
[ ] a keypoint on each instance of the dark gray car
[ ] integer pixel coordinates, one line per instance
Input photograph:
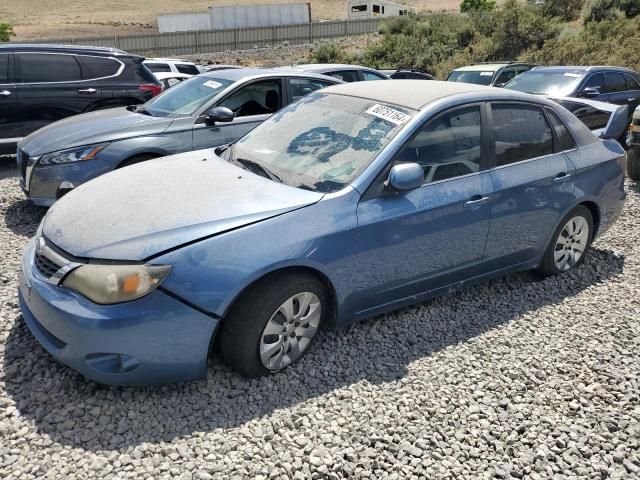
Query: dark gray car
(67, 153)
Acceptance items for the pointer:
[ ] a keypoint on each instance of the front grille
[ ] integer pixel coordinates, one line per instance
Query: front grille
(46, 266)
(23, 160)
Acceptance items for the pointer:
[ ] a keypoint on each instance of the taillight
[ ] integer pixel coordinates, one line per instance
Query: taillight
(154, 88)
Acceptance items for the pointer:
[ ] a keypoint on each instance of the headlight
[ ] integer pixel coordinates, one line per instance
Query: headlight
(88, 152)
(106, 284)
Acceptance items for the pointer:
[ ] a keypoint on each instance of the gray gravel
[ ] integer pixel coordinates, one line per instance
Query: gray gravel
(513, 379)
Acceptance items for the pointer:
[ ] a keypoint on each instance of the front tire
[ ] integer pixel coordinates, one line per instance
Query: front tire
(569, 244)
(274, 324)
(633, 163)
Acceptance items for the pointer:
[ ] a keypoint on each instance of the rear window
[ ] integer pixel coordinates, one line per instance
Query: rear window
(475, 77)
(40, 67)
(158, 67)
(98, 67)
(346, 75)
(565, 140)
(614, 82)
(188, 69)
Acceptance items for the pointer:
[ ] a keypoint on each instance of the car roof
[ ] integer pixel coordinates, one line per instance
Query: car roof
(581, 69)
(320, 67)
(235, 74)
(47, 47)
(414, 94)
(484, 67)
(175, 60)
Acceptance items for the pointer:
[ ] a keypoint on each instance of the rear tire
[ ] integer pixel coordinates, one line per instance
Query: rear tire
(633, 163)
(570, 243)
(273, 324)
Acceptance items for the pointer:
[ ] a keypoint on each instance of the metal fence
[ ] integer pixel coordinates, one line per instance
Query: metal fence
(207, 41)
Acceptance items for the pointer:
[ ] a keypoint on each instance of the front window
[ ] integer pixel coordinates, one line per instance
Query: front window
(186, 98)
(322, 142)
(554, 84)
(471, 76)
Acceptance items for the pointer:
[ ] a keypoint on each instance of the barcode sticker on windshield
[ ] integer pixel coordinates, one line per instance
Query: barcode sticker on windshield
(212, 84)
(574, 75)
(389, 114)
(486, 74)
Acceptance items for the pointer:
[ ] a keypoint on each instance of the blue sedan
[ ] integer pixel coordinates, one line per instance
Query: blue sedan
(355, 200)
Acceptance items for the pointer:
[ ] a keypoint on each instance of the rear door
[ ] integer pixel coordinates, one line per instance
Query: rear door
(252, 103)
(50, 88)
(532, 180)
(10, 117)
(632, 93)
(615, 86)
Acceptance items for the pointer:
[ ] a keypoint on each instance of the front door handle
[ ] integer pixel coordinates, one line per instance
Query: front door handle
(5, 93)
(562, 176)
(476, 200)
(88, 91)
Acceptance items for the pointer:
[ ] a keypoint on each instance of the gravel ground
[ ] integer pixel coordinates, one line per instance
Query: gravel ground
(512, 379)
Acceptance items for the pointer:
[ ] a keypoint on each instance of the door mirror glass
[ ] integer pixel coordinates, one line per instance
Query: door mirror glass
(219, 114)
(405, 176)
(590, 92)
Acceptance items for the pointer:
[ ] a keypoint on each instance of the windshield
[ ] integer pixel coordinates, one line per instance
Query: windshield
(477, 77)
(555, 84)
(186, 98)
(322, 142)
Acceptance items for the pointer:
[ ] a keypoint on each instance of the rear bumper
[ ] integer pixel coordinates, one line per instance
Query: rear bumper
(152, 340)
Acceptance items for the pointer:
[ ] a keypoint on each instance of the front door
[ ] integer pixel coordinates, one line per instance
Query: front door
(50, 88)
(252, 103)
(533, 184)
(435, 235)
(10, 118)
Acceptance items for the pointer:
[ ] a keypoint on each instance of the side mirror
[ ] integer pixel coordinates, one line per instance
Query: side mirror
(219, 114)
(590, 92)
(405, 176)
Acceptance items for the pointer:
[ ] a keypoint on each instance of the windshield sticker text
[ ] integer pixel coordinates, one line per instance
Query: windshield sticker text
(486, 74)
(212, 84)
(389, 114)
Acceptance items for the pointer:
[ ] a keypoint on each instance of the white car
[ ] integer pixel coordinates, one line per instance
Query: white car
(175, 65)
(169, 79)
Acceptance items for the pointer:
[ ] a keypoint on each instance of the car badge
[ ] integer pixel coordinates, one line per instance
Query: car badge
(40, 246)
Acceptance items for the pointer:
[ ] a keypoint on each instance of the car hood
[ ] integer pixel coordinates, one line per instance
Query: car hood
(145, 209)
(94, 127)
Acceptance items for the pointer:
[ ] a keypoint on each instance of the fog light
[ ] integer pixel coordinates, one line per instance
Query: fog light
(112, 363)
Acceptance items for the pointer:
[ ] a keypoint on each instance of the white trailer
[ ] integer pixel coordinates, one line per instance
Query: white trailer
(224, 17)
(357, 9)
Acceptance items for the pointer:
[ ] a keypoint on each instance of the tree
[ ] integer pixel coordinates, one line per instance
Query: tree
(6, 32)
(565, 9)
(477, 5)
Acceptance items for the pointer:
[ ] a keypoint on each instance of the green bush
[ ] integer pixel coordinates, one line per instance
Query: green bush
(6, 32)
(566, 10)
(328, 53)
(477, 5)
(599, 10)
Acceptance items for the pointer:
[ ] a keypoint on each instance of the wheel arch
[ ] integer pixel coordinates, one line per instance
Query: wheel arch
(594, 208)
(283, 270)
(150, 154)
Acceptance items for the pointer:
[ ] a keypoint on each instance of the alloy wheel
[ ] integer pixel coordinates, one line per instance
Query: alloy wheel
(571, 243)
(290, 330)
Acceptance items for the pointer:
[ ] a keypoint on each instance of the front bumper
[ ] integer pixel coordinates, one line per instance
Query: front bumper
(43, 185)
(155, 339)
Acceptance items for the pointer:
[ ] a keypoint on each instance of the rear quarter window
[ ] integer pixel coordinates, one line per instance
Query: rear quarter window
(188, 69)
(158, 67)
(98, 67)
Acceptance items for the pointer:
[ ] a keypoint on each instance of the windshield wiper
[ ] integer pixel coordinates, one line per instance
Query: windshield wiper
(259, 169)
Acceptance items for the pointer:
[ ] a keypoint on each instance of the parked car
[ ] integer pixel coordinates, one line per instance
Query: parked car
(175, 65)
(633, 140)
(168, 80)
(207, 110)
(346, 73)
(605, 120)
(411, 74)
(606, 84)
(494, 74)
(40, 84)
(325, 214)
(214, 67)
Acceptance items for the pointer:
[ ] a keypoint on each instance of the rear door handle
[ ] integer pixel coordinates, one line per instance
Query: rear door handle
(5, 93)
(476, 200)
(87, 90)
(562, 176)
